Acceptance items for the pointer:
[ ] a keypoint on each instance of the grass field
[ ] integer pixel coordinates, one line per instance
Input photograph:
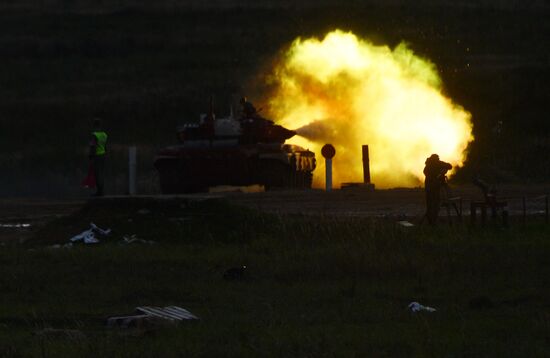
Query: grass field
(315, 286)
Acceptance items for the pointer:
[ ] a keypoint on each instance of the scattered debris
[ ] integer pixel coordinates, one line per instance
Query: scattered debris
(417, 307)
(15, 225)
(58, 246)
(99, 230)
(89, 236)
(174, 313)
(405, 223)
(133, 239)
(139, 321)
(148, 317)
(235, 273)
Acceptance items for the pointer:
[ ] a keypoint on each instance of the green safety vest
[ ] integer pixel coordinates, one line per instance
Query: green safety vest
(101, 139)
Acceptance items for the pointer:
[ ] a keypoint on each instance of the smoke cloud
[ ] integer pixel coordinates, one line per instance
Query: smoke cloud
(348, 92)
(318, 131)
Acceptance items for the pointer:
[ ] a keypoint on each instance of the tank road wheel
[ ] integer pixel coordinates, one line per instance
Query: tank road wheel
(302, 180)
(169, 177)
(309, 180)
(273, 174)
(306, 180)
(172, 179)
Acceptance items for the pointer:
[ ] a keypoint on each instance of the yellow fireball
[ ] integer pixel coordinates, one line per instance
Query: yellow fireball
(348, 92)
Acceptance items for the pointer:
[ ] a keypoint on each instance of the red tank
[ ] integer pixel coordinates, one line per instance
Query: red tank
(229, 151)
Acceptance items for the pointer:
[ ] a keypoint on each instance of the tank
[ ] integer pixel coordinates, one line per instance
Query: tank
(233, 151)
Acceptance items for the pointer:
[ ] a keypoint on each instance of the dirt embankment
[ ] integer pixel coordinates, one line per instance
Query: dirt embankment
(20, 218)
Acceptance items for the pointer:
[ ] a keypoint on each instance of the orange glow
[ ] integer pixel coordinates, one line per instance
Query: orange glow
(348, 92)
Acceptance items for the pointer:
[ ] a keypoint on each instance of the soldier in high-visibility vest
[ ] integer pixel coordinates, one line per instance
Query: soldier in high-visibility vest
(98, 149)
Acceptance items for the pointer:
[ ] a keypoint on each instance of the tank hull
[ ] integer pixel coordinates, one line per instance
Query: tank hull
(196, 166)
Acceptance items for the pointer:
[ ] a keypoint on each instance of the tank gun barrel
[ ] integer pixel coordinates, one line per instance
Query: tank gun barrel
(290, 134)
(280, 133)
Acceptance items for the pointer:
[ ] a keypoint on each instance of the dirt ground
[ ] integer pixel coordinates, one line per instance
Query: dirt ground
(19, 218)
(408, 203)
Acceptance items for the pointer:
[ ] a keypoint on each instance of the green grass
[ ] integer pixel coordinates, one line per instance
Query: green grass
(315, 286)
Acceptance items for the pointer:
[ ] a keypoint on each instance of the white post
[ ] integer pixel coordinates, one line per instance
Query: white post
(132, 164)
(328, 166)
